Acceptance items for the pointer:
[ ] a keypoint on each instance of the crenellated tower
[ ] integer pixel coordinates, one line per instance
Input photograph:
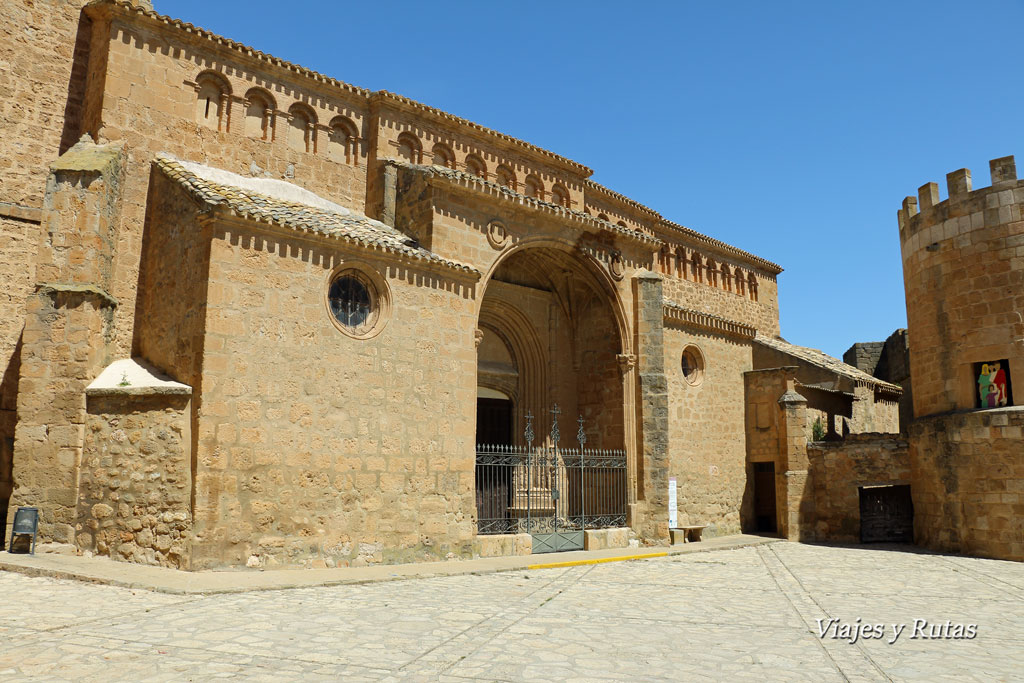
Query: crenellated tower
(963, 269)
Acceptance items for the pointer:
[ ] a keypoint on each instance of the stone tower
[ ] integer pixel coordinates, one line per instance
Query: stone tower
(963, 269)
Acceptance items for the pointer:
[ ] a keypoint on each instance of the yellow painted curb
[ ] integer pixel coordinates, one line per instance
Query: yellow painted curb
(577, 563)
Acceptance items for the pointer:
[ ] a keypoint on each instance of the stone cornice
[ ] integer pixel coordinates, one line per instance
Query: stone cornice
(387, 98)
(621, 199)
(723, 247)
(128, 10)
(454, 179)
(674, 313)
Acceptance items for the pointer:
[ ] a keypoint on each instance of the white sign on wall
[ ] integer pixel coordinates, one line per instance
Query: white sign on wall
(672, 517)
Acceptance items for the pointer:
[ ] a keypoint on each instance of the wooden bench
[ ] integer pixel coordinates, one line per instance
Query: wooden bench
(687, 534)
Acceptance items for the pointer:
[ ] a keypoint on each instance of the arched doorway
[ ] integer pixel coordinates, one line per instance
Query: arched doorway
(550, 335)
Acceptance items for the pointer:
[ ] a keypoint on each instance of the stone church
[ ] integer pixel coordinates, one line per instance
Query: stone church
(256, 316)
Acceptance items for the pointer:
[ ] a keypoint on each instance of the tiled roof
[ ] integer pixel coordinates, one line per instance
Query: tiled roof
(823, 360)
(470, 180)
(314, 215)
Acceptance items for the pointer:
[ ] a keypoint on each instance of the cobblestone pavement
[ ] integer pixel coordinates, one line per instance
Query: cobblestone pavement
(744, 614)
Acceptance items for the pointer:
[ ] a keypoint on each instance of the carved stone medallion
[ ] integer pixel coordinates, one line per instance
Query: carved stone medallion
(497, 234)
(615, 265)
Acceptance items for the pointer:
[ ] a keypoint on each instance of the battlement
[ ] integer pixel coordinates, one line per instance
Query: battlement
(927, 209)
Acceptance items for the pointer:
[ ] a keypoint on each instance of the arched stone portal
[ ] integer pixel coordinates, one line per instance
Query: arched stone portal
(549, 334)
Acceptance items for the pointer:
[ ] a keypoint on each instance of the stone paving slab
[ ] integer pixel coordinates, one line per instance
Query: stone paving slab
(743, 613)
(106, 571)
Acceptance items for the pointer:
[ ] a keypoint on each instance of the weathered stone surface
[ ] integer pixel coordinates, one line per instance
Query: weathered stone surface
(310, 446)
(839, 469)
(135, 462)
(963, 271)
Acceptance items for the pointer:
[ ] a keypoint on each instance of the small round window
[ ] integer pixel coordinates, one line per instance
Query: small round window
(693, 365)
(355, 303)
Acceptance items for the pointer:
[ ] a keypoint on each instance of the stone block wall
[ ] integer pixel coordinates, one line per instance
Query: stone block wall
(162, 117)
(18, 235)
(838, 470)
(59, 358)
(776, 431)
(68, 321)
(762, 314)
(135, 493)
(18, 244)
(315, 448)
(963, 270)
(174, 266)
(864, 356)
(707, 447)
(654, 459)
(44, 50)
(761, 391)
(968, 482)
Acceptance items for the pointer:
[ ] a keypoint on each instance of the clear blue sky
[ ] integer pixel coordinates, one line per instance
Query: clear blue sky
(790, 129)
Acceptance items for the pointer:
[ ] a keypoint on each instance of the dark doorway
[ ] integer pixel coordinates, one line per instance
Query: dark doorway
(494, 421)
(764, 497)
(493, 428)
(886, 514)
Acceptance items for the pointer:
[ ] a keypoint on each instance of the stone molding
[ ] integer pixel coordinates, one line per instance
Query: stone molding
(677, 315)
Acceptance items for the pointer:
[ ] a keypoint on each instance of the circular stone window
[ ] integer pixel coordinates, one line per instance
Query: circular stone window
(358, 305)
(693, 365)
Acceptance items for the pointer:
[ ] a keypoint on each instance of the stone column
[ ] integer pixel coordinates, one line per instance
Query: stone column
(794, 499)
(69, 320)
(652, 391)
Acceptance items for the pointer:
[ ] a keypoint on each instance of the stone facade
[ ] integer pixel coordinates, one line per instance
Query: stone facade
(706, 446)
(309, 446)
(817, 473)
(199, 228)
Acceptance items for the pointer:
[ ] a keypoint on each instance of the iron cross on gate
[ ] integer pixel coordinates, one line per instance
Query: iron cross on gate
(554, 457)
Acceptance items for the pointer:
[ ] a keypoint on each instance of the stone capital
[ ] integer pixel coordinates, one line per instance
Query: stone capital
(627, 361)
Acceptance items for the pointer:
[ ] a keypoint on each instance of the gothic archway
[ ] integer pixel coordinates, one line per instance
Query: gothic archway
(559, 316)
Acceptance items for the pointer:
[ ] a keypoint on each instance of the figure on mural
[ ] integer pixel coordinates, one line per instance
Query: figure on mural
(992, 385)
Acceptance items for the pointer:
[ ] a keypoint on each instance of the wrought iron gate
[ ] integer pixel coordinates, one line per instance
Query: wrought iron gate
(886, 514)
(552, 493)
